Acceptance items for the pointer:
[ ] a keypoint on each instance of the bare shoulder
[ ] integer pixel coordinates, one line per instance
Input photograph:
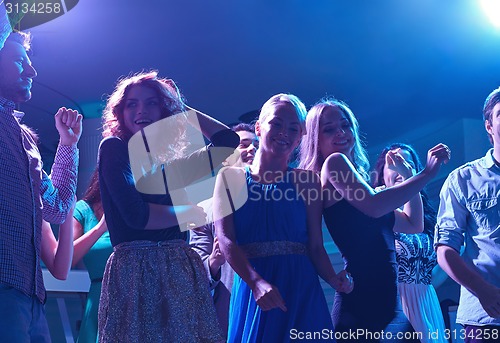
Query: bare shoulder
(337, 167)
(335, 159)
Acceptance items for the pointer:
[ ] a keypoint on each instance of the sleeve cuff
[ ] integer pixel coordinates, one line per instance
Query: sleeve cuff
(213, 281)
(450, 237)
(67, 155)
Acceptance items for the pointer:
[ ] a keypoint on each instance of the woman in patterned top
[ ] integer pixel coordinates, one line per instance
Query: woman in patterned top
(414, 252)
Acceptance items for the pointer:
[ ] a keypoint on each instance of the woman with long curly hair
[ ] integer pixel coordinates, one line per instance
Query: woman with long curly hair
(154, 287)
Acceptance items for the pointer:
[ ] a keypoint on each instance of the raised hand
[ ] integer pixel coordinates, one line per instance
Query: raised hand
(175, 91)
(267, 296)
(172, 86)
(69, 125)
(396, 162)
(436, 156)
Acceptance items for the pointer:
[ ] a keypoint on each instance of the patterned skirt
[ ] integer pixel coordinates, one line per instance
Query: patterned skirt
(421, 306)
(156, 292)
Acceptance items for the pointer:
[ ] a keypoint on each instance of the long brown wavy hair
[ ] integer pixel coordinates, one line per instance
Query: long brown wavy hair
(310, 155)
(171, 103)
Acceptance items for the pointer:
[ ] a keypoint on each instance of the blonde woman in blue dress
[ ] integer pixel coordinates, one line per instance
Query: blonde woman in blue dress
(274, 241)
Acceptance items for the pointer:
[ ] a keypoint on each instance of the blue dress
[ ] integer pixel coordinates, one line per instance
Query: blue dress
(271, 227)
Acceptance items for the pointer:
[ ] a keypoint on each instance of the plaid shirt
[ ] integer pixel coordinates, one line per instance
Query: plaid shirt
(26, 195)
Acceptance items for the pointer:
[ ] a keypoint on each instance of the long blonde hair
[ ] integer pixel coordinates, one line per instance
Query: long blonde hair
(300, 109)
(282, 98)
(310, 154)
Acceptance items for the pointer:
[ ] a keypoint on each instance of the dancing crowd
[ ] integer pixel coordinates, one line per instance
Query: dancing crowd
(244, 265)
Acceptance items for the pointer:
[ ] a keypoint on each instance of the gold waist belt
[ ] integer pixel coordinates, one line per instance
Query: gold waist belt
(264, 249)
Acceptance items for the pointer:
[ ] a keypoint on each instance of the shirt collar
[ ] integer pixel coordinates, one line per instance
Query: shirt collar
(488, 161)
(18, 114)
(9, 106)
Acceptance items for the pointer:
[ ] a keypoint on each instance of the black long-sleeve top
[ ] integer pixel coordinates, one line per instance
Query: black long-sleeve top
(126, 209)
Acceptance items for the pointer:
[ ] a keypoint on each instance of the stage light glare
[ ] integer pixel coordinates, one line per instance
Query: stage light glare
(492, 10)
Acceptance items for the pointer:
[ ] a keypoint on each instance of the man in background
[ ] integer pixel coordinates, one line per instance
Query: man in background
(205, 242)
(469, 214)
(28, 194)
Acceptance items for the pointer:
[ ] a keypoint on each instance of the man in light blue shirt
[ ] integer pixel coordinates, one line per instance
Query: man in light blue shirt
(469, 214)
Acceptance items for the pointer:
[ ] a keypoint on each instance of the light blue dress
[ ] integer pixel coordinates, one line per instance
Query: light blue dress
(271, 227)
